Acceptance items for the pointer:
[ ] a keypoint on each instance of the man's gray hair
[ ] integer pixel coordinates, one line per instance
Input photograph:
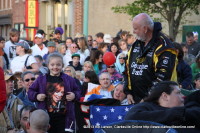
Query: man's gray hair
(100, 76)
(149, 22)
(146, 20)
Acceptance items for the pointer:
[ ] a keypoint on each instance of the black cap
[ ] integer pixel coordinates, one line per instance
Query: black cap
(40, 31)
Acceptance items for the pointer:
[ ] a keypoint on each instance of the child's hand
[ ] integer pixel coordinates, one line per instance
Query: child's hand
(70, 96)
(41, 97)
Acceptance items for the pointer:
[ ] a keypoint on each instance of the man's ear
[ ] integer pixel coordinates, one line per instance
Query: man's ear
(145, 29)
(164, 96)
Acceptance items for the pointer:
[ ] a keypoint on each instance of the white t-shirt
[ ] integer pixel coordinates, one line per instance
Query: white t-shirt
(17, 64)
(37, 51)
(86, 53)
(105, 93)
(10, 50)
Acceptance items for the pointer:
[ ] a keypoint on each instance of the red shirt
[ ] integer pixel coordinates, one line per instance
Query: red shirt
(2, 90)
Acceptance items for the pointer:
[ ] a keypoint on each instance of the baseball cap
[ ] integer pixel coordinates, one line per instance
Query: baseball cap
(8, 75)
(38, 35)
(24, 44)
(40, 31)
(51, 44)
(75, 55)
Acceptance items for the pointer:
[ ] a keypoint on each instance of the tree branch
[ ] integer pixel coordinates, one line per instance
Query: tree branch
(162, 14)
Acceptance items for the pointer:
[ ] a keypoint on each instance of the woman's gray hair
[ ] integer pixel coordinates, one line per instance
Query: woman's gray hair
(72, 70)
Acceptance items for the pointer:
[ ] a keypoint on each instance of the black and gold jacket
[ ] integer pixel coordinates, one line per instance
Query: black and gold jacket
(150, 64)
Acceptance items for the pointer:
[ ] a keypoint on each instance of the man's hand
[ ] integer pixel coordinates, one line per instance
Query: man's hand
(41, 97)
(130, 99)
(70, 96)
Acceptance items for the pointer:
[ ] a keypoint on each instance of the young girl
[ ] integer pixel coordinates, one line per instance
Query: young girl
(114, 48)
(83, 46)
(124, 46)
(61, 119)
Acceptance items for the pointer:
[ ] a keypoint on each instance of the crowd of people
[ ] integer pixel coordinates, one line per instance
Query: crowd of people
(44, 78)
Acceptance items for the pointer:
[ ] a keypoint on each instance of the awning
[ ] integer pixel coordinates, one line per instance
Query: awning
(5, 19)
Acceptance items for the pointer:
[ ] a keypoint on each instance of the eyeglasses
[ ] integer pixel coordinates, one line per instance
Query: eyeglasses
(74, 47)
(27, 80)
(105, 79)
(67, 71)
(2, 42)
(110, 66)
(89, 40)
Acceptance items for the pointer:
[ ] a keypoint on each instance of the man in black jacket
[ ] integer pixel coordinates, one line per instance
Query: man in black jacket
(151, 59)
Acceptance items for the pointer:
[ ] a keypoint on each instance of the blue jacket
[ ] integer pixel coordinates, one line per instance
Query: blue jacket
(184, 74)
(39, 87)
(22, 96)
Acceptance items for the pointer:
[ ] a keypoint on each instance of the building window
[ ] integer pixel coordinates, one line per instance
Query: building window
(20, 28)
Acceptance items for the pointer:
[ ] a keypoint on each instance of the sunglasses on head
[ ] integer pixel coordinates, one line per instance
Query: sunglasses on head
(27, 80)
(110, 66)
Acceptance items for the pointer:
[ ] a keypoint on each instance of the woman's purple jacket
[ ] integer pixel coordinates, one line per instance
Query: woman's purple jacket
(39, 87)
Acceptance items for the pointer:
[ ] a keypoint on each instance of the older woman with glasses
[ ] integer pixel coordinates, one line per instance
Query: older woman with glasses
(120, 63)
(28, 78)
(69, 70)
(115, 76)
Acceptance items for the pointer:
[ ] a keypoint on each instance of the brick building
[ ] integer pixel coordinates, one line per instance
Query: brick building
(12, 14)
